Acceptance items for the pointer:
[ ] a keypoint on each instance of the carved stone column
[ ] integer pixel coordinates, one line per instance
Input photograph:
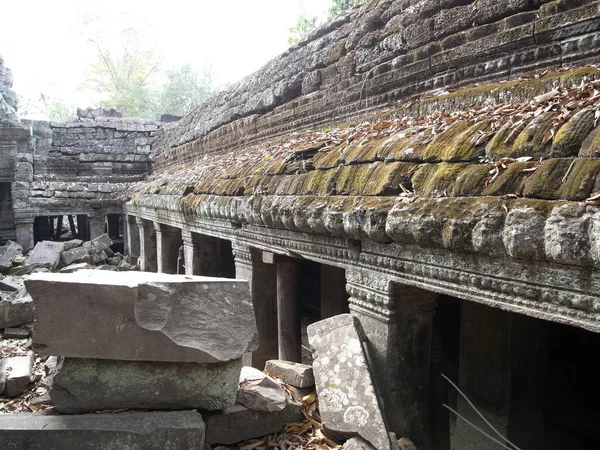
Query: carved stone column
(502, 369)
(24, 232)
(97, 226)
(188, 251)
(262, 279)
(147, 245)
(397, 320)
(132, 236)
(334, 298)
(168, 242)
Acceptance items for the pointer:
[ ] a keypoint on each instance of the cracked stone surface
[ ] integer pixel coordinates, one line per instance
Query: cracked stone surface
(348, 403)
(142, 316)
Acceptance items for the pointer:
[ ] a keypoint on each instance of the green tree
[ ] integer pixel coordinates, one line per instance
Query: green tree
(184, 90)
(306, 23)
(126, 77)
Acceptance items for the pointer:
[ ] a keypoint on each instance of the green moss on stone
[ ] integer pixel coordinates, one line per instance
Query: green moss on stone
(350, 180)
(318, 182)
(365, 153)
(591, 144)
(549, 182)
(437, 180)
(386, 179)
(571, 135)
(471, 181)
(454, 145)
(329, 158)
(510, 181)
(530, 141)
(407, 145)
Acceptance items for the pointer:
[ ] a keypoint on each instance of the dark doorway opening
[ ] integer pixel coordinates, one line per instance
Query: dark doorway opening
(61, 228)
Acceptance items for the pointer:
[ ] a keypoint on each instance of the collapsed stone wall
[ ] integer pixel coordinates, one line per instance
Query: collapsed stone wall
(381, 53)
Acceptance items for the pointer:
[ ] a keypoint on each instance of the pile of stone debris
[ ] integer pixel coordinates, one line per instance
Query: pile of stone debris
(18, 364)
(114, 353)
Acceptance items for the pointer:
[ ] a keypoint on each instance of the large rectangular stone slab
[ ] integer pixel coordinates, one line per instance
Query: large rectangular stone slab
(173, 430)
(46, 254)
(142, 316)
(348, 402)
(239, 423)
(82, 385)
(18, 371)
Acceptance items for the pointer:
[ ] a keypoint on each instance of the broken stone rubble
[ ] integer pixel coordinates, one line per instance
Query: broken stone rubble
(259, 392)
(295, 374)
(16, 309)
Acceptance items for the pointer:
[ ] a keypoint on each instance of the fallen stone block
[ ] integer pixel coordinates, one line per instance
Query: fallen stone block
(11, 283)
(81, 385)
(357, 443)
(16, 309)
(173, 430)
(75, 267)
(18, 370)
(259, 392)
(406, 444)
(8, 253)
(239, 423)
(151, 316)
(98, 257)
(16, 333)
(19, 271)
(75, 255)
(46, 254)
(73, 243)
(295, 374)
(347, 400)
(114, 260)
(101, 243)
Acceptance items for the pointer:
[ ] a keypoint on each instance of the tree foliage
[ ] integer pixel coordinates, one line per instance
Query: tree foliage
(129, 78)
(306, 23)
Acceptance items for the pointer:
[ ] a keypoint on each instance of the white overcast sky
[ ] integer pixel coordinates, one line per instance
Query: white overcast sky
(44, 42)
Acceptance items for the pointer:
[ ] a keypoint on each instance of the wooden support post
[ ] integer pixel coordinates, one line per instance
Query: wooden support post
(288, 319)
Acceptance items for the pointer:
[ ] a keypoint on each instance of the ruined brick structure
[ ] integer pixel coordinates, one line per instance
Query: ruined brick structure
(424, 164)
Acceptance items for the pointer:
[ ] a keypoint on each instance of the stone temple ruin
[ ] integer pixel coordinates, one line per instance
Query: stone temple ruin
(429, 167)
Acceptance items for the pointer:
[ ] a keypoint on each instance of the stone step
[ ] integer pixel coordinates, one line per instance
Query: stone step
(177, 430)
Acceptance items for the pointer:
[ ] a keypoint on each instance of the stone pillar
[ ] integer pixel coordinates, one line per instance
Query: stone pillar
(97, 226)
(168, 242)
(397, 321)
(147, 245)
(24, 232)
(502, 370)
(132, 237)
(188, 251)
(206, 255)
(262, 278)
(334, 298)
(288, 317)
(83, 231)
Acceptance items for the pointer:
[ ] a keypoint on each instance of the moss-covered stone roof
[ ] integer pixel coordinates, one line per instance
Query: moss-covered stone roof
(409, 178)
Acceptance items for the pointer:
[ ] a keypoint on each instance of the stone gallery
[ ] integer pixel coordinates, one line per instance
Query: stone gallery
(410, 195)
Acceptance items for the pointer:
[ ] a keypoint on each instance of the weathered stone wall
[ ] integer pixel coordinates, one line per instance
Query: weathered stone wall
(381, 53)
(82, 167)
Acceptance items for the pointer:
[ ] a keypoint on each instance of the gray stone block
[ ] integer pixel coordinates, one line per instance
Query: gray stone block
(75, 255)
(239, 423)
(16, 310)
(102, 242)
(295, 374)
(347, 400)
(75, 267)
(260, 392)
(357, 443)
(142, 316)
(7, 253)
(18, 370)
(73, 243)
(46, 254)
(172, 430)
(93, 384)
(15, 333)
(11, 283)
